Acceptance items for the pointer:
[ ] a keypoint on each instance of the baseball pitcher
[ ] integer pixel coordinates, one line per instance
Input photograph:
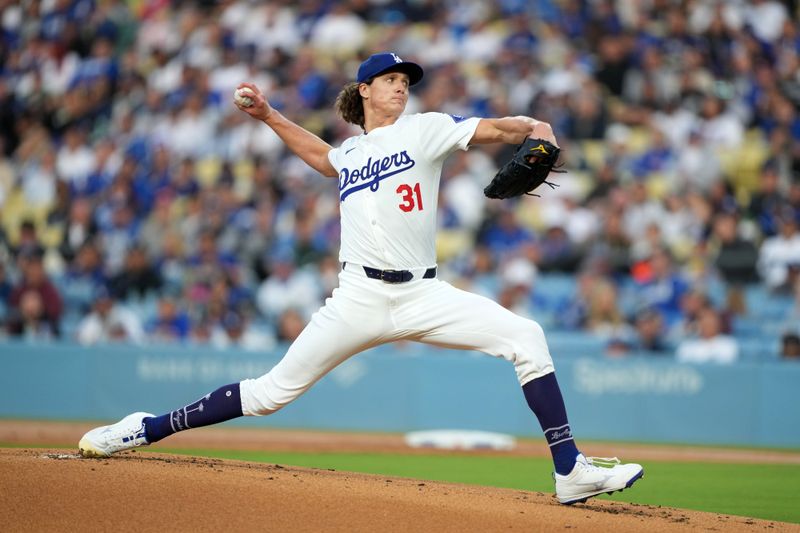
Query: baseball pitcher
(388, 181)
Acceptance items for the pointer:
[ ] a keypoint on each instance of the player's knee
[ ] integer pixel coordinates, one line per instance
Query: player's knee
(529, 332)
(260, 397)
(531, 344)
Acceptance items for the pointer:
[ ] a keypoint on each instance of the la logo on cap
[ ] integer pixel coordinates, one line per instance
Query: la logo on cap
(380, 63)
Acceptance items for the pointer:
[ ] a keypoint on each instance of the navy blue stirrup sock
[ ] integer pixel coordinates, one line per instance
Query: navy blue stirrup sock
(223, 404)
(545, 400)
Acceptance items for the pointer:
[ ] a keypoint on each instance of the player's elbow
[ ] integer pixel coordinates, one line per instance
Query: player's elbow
(328, 171)
(324, 167)
(489, 131)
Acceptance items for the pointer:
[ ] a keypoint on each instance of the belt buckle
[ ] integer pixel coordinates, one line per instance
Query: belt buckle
(396, 273)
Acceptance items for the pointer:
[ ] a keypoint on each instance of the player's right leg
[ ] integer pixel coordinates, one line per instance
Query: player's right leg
(449, 317)
(351, 321)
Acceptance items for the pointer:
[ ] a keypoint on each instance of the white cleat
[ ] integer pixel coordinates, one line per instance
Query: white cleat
(126, 434)
(595, 475)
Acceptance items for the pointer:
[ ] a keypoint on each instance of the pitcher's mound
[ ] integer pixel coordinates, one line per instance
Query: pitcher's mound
(55, 490)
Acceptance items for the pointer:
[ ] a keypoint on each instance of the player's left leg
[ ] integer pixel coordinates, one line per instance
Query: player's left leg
(141, 429)
(442, 315)
(353, 319)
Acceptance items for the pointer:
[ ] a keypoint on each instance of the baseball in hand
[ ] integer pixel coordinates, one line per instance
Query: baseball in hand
(243, 97)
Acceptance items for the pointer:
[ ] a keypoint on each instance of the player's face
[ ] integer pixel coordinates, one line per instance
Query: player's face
(388, 92)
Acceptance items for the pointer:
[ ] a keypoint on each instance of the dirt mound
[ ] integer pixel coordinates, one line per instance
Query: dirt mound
(55, 490)
(226, 437)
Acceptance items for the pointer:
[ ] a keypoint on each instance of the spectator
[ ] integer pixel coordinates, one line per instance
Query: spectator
(790, 346)
(154, 229)
(681, 228)
(210, 262)
(556, 251)
(29, 319)
(328, 274)
(255, 234)
(718, 125)
(170, 323)
(581, 223)
(735, 257)
(184, 183)
(518, 277)
(118, 237)
(589, 118)
(235, 330)
(308, 249)
(604, 317)
(154, 181)
(75, 161)
(339, 31)
(698, 165)
(35, 302)
(40, 181)
(641, 211)
(286, 288)
(193, 127)
(138, 277)
(767, 200)
(28, 243)
(109, 321)
(82, 277)
(78, 229)
(290, 324)
(691, 304)
(506, 235)
(766, 18)
(662, 288)
(462, 188)
(108, 160)
(612, 247)
(711, 345)
(574, 312)
(650, 333)
(614, 60)
(171, 265)
(779, 257)
(658, 157)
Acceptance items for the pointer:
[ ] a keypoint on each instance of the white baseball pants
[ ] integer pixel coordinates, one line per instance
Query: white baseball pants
(363, 313)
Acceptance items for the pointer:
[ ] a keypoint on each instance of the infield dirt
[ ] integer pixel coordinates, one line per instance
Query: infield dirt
(55, 490)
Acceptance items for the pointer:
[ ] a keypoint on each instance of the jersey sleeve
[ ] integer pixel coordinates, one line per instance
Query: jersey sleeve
(442, 134)
(336, 155)
(333, 157)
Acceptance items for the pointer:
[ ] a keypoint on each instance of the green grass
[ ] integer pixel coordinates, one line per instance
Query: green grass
(760, 491)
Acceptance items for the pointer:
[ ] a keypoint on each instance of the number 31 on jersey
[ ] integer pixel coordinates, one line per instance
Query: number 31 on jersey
(412, 197)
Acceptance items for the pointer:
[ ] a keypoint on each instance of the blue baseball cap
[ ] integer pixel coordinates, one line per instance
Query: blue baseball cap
(378, 64)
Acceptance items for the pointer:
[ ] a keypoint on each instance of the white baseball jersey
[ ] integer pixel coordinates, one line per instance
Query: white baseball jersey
(388, 187)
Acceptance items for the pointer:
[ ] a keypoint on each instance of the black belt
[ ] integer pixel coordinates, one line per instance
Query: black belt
(395, 276)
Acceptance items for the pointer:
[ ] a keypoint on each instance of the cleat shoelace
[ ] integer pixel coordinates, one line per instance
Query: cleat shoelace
(604, 462)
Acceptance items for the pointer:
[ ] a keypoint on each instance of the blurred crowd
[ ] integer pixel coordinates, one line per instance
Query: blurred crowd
(137, 204)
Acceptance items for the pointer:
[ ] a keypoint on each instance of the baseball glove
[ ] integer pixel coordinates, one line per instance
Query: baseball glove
(528, 169)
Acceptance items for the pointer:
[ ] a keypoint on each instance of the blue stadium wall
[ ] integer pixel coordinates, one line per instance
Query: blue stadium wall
(413, 387)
